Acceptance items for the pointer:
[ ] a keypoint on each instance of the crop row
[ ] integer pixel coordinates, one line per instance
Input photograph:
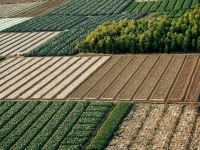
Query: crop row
(166, 5)
(9, 22)
(64, 43)
(9, 10)
(92, 7)
(60, 22)
(53, 125)
(14, 43)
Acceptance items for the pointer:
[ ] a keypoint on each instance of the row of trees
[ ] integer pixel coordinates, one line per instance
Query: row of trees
(146, 36)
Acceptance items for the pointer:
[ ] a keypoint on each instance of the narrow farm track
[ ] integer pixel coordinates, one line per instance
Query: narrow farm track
(134, 78)
(14, 43)
(161, 126)
(10, 10)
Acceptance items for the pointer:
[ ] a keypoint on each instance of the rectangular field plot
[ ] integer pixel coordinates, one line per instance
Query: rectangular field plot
(92, 7)
(154, 78)
(159, 126)
(166, 5)
(64, 22)
(9, 10)
(58, 125)
(14, 43)
(9, 22)
(45, 77)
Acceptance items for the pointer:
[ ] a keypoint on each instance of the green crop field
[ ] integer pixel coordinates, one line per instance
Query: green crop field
(58, 125)
(170, 8)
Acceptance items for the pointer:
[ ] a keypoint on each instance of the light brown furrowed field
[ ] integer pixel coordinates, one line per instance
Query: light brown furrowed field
(159, 126)
(136, 78)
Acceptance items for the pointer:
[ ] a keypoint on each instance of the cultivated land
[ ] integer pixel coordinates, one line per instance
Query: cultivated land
(140, 78)
(10, 10)
(16, 43)
(160, 126)
(56, 125)
(51, 100)
(8, 22)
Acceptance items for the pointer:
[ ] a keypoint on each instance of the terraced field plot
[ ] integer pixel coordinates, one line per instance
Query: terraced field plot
(9, 22)
(142, 78)
(46, 78)
(56, 125)
(154, 126)
(10, 10)
(14, 43)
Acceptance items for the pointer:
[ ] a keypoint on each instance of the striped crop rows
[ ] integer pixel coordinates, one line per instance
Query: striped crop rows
(166, 5)
(14, 43)
(60, 22)
(156, 78)
(9, 22)
(45, 77)
(92, 7)
(150, 126)
(53, 125)
(9, 10)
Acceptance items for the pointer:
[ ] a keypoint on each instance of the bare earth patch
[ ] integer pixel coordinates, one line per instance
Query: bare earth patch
(161, 126)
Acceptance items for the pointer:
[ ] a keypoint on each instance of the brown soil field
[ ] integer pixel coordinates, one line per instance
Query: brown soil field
(160, 78)
(158, 126)
(18, 1)
(51, 4)
(45, 77)
(144, 78)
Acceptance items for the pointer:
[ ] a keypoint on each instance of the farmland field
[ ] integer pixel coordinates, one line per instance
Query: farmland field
(87, 75)
(45, 77)
(141, 78)
(64, 22)
(58, 125)
(10, 10)
(154, 126)
(92, 7)
(9, 22)
(166, 7)
(14, 43)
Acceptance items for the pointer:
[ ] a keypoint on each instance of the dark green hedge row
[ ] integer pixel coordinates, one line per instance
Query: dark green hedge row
(146, 36)
(110, 125)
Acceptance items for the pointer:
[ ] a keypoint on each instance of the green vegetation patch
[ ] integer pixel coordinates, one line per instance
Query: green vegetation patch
(61, 45)
(2, 58)
(57, 125)
(161, 6)
(105, 133)
(163, 35)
